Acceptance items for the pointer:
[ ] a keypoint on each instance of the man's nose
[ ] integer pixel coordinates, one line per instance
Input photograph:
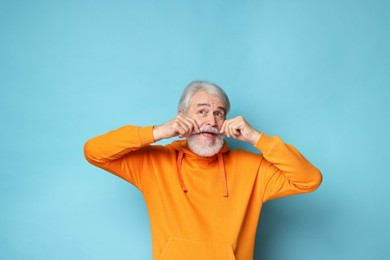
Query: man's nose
(211, 120)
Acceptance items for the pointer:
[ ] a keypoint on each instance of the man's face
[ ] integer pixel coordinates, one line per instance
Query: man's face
(209, 113)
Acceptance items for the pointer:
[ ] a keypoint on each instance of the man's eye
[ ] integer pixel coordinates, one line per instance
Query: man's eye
(218, 114)
(202, 112)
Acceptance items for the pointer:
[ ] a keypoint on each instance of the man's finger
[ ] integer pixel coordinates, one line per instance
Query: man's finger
(191, 123)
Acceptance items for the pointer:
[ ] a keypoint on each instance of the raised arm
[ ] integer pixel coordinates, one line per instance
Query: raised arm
(285, 171)
(120, 151)
(123, 151)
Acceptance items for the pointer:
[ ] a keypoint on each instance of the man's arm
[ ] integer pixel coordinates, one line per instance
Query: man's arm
(119, 151)
(117, 143)
(284, 171)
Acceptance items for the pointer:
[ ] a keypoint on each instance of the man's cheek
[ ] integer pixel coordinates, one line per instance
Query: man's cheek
(199, 122)
(220, 124)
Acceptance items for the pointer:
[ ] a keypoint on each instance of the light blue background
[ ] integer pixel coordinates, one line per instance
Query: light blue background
(316, 73)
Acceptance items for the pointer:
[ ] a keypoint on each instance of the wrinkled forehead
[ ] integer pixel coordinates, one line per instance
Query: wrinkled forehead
(203, 98)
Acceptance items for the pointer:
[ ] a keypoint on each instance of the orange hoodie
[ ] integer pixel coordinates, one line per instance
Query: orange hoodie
(202, 208)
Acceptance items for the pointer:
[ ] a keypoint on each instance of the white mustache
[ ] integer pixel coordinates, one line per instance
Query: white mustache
(209, 129)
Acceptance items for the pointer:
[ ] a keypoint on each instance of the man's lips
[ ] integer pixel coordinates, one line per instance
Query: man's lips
(208, 134)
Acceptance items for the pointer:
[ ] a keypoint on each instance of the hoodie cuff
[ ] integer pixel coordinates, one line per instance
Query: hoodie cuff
(145, 135)
(265, 143)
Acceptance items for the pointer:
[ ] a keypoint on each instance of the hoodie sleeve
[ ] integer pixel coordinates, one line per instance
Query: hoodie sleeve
(121, 151)
(285, 171)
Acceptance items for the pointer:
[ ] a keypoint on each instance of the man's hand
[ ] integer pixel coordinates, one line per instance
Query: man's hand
(239, 128)
(181, 126)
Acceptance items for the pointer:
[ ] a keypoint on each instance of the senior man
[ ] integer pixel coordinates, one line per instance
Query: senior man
(204, 200)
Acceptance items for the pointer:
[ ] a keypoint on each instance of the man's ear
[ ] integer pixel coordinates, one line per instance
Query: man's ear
(180, 112)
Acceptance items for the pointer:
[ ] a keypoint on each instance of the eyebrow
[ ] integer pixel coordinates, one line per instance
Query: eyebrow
(208, 105)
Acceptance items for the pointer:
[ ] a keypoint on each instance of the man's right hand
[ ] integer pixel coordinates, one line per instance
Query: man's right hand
(181, 126)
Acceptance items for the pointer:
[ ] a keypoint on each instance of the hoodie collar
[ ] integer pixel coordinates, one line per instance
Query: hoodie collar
(182, 150)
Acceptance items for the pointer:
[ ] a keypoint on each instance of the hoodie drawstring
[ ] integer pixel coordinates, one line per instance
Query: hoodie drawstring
(221, 171)
(179, 160)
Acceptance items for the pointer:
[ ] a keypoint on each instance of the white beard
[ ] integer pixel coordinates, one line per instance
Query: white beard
(208, 149)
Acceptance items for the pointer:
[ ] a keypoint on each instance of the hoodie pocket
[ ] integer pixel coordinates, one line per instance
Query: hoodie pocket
(179, 248)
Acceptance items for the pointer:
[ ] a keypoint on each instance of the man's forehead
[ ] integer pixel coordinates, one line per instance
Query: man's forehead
(203, 98)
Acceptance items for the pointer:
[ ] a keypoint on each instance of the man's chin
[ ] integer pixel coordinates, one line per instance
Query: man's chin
(207, 147)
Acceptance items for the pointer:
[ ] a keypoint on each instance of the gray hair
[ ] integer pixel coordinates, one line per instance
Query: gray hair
(206, 86)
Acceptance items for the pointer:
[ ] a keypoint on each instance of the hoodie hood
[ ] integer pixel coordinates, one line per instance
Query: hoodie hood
(182, 150)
